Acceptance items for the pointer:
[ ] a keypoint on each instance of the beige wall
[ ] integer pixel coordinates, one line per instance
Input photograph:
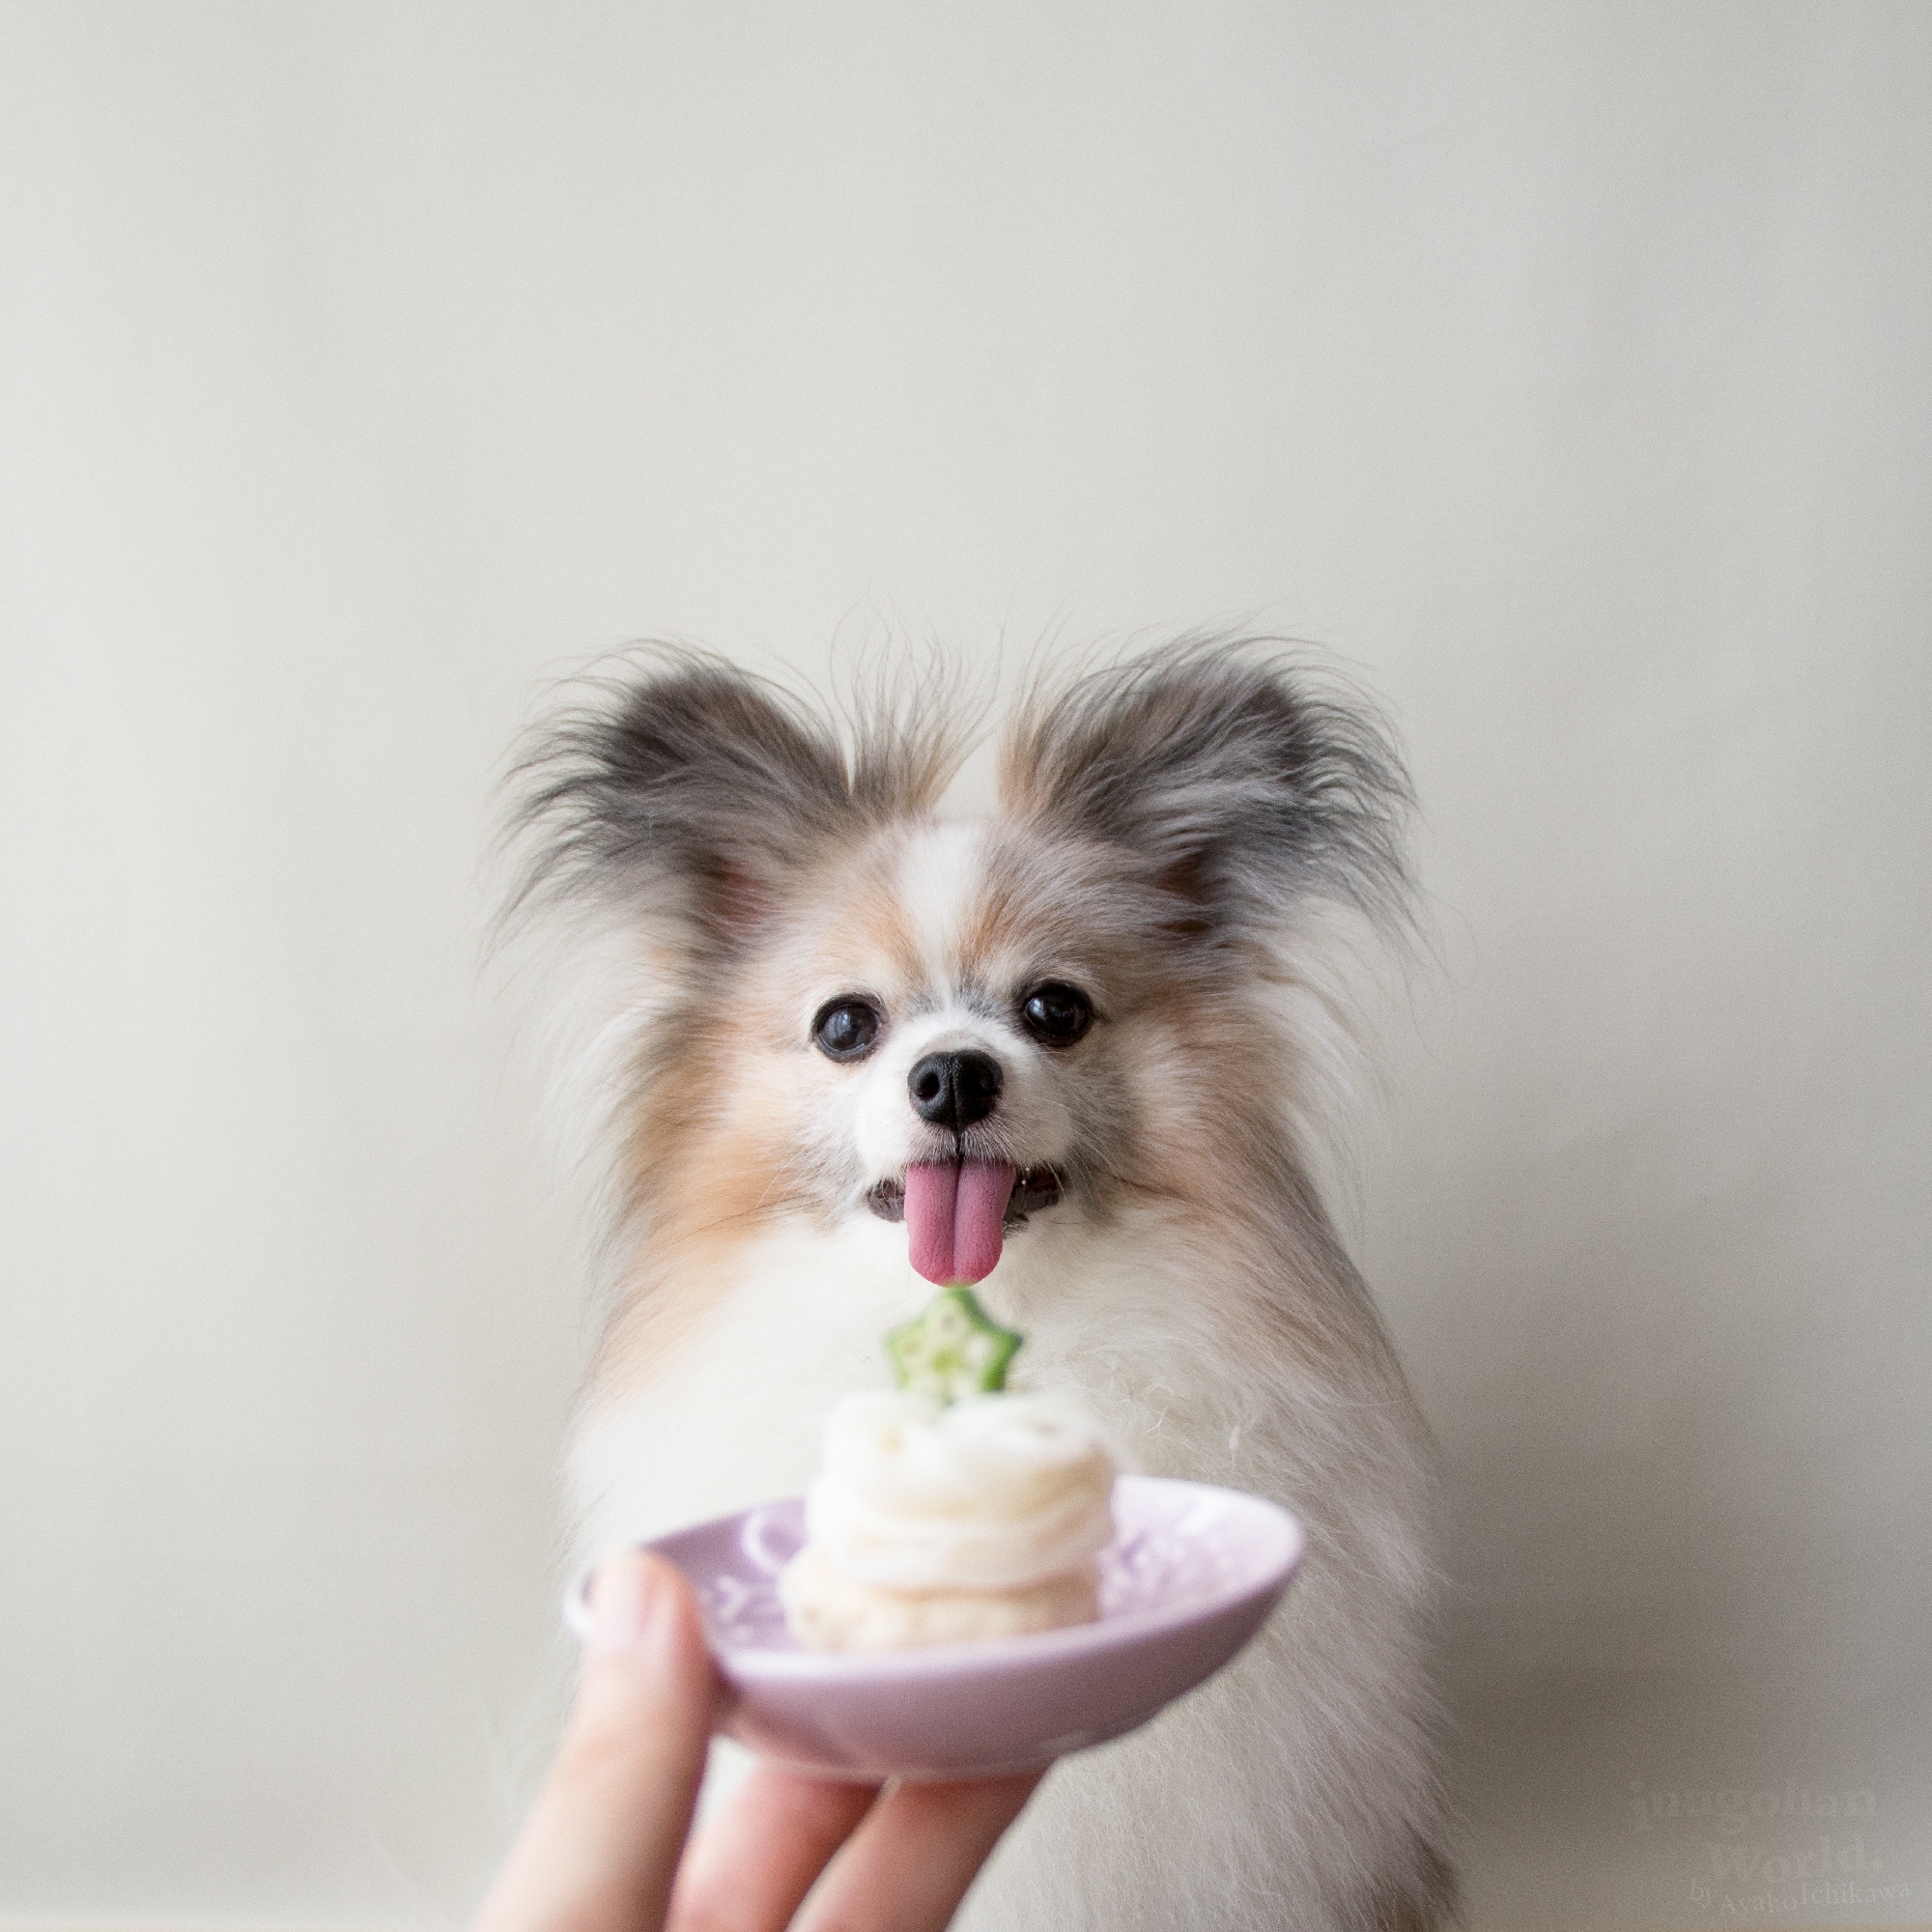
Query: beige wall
(1564, 367)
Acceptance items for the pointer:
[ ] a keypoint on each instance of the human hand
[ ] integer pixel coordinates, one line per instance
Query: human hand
(603, 1848)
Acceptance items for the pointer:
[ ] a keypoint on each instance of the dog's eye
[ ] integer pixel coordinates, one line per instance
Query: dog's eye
(845, 1029)
(1057, 1015)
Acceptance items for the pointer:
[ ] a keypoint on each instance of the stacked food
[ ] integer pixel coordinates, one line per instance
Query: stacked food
(950, 1510)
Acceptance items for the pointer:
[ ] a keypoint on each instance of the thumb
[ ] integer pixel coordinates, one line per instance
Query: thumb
(601, 1845)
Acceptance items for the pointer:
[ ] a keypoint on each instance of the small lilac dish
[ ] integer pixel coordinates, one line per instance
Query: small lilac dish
(1191, 1574)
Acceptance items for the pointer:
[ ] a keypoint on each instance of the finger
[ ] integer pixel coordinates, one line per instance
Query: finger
(908, 1865)
(750, 1866)
(600, 1844)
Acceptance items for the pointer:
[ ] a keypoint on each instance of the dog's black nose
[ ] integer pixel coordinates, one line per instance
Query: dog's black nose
(953, 1090)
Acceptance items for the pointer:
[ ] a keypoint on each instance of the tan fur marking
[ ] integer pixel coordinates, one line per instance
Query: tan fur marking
(869, 914)
(700, 1182)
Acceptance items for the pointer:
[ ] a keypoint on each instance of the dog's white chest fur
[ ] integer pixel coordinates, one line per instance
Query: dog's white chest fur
(825, 996)
(731, 1413)
(1252, 1804)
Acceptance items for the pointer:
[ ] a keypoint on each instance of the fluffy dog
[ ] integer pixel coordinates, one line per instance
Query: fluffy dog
(1069, 1048)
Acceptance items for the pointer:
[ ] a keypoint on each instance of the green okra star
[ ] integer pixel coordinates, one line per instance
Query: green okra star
(955, 1348)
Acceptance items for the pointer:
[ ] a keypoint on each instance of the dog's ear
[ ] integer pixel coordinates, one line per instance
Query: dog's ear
(1244, 782)
(682, 794)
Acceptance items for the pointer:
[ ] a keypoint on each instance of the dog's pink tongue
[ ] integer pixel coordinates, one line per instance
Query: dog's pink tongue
(954, 1211)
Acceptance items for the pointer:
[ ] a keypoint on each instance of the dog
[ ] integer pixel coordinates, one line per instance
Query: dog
(1095, 1006)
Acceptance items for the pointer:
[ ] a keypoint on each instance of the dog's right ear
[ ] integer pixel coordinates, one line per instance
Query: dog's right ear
(680, 796)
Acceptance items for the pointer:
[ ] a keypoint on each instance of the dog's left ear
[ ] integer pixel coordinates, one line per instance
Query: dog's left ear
(1244, 783)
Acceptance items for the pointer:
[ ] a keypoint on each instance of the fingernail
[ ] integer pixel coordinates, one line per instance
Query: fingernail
(624, 1598)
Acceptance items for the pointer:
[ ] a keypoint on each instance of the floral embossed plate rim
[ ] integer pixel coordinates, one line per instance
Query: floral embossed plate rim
(1191, 1576)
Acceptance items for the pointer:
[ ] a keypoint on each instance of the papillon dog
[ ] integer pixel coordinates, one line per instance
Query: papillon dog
(847, 1046)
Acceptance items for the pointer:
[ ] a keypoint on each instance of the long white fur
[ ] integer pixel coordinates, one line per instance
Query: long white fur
(1288, 1784)
(1294, 1790)
(1260, 1800)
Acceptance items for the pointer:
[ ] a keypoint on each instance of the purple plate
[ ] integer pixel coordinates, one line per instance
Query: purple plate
(1190, 1575)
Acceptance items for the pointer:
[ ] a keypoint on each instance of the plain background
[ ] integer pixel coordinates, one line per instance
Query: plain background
(364, 367)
